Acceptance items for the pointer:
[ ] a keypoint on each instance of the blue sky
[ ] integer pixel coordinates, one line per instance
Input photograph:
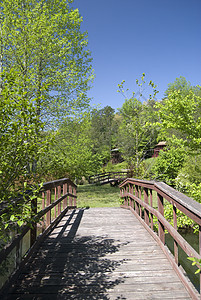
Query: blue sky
(161, 38)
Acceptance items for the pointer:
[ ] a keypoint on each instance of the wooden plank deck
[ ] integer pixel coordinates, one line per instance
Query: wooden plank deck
(98, 253)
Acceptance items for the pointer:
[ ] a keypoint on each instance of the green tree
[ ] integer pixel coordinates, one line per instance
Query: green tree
(48, 53)
(168, 164)
(42, 41)
(102, 131)
(21, 143)
(180, 113)
(45, 71)
(71, 154)
(180, 125)
(180, 84)
(20, 135)
(137, 135)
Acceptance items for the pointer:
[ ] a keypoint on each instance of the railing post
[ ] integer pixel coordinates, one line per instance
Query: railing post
(146, 212)
(175, 227)
(74, 193)
(55, 198)
(65, 192)
(151, 203)
(70, 197)
(129, 190)
(140, 196)
(136, 203)
(33, 234)
(124, 195)
(132, 201)
(161, 229)
(59, 196)
(48, 202)
(43, 207)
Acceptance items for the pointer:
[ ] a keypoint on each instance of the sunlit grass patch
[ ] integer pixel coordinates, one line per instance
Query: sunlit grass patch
(98, 196)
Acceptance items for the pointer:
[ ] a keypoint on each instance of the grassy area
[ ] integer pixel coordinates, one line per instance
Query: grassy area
(98, 196)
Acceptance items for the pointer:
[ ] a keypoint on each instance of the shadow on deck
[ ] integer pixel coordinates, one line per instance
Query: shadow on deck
(98, 254)
(64, 265)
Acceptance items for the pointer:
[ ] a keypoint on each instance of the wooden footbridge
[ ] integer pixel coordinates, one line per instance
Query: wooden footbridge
(103, 253)
(114, 178)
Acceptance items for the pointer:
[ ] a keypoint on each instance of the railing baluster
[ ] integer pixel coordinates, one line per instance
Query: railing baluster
(65, 187)
(43, 217)
(124, 194)
(132, 201)
(59, 196)
(43, 206)
(146, 212)
(161, 229)
(127, 198)
(48, 202)
(74, 193)
(175, 227)
(186, 205)
(136, 203)
(140, 196)
(151, 204)
(55, 198)
(70, 197)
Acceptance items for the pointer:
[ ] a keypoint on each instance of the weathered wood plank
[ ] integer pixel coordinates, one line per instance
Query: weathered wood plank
(99, 254)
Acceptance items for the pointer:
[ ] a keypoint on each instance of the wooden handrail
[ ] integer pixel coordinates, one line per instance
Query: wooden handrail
(97, 178)
(131, 191)
(64, 186)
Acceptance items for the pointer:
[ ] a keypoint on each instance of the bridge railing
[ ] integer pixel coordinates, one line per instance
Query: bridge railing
(56, 198)
(146, 199)
(101, 177)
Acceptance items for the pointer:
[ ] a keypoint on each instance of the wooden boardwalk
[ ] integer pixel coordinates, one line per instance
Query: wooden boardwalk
(98, 253)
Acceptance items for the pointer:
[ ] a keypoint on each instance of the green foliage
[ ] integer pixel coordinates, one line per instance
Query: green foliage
(71, 154)
(102, 131)
(196, 261)
(137, 135)
(180, 125)
(148, 164)
(194, 191)
(18, 212)
(180, 113)
(183, 222)
(42, 41)
(180, 84)
(167, 165)
(190, 173)
(20, 133)
(45, 71)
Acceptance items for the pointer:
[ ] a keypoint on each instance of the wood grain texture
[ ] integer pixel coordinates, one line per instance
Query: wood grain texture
(98, 253)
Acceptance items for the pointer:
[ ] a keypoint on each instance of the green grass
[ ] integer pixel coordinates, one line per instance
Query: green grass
(98, 196)
(115, 167)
